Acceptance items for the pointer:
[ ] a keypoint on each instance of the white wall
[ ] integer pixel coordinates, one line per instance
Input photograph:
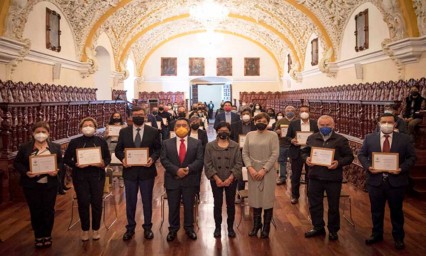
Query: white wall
(308, 55)
(103, 79)
(207, 93)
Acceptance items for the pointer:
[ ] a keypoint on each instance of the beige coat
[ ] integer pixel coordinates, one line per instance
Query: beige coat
(261, 150)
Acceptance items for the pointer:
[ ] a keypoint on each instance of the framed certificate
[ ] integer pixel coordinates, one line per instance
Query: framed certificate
(302, 137)
(385, 161)
(241, 140)
(165, 121)
(284, 129)
(172, 134)
(159, 125)
(114, 130)
(89, 156)
(43, 164)
(148, 123)
(271, 122)
(136, 156)
(322, 156)
(114, 160)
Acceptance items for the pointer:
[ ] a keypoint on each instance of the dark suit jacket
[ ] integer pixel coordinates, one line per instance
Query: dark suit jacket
(237, 129)
(221, 118)
(22, 164)
(343, 154)
(202, 135)
(193, 160)
(151, 140)
(294, 126)
(402, 144)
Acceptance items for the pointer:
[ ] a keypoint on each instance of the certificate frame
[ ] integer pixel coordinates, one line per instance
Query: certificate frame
(283, 127)
(114, 128)
(241, 140)
(378, 154)
(51, 157)
(85, 151)
(130, 150)
(306, 134)
(317, 149)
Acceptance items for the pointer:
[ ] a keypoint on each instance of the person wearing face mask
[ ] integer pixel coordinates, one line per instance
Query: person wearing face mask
(222, 164)
(227, 116)
(389, 185)
(413, 103)
(401, 125)
(181, 113)
(260, 152)
(115, 120)
(88, 180)
(40, 190)
(305, 125)
(284, 144)
(257, 109)
(326, 179)
(166, 118)
(182, 159)
(271, 113)
(196, 132)
(139, 178)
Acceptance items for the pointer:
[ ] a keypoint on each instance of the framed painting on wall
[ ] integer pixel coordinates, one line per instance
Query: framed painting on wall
(53, 30)
(361, 31)
(251, 66)
(224, 66)
(168, 66)
(196, 66)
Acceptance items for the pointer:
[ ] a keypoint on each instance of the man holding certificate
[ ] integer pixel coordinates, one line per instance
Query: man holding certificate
(326, 153)
(297, 133)
(387, 157)
(138, 147)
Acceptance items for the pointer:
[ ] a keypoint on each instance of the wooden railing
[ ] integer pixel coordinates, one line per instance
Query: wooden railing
(163, 97)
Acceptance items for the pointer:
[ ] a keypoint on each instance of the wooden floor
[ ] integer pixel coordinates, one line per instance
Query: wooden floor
(287, 239)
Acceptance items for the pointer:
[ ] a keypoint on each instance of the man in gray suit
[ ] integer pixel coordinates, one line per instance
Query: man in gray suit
(182, 158)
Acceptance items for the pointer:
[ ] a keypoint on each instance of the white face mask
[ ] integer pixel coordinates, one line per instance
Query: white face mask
(246, 118)
(386, 128)
(257, 107)
(279, 117)
(40, 137)
(304, 115)
(88, 131)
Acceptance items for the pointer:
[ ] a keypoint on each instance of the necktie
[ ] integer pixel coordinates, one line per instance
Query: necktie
(138, 139)
(386, 144)
(182, 151)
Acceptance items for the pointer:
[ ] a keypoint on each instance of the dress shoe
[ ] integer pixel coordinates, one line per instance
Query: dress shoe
(148, 234)
(399, 244)
(294, 200)
(191, 234)
(128, 235)
(373, 240)
(314, 232)
(217, 233)
(231, 233)
(280, 181)
(171, 236)
(332, 236)
(96, 235)
(84, 236)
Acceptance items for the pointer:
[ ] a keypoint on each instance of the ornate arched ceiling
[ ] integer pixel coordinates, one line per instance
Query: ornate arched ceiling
(280, 26)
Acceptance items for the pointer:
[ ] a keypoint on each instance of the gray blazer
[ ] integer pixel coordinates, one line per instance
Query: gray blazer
(222, 162)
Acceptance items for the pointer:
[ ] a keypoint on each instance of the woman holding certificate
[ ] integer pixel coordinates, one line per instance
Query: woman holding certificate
(87, 156)
(222, 163)
(38, 162)
(260, 152)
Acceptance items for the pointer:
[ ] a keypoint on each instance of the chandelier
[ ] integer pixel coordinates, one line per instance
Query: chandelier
(209, 13)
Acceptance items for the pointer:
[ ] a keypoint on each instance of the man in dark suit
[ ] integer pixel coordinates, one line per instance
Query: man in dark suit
(387, 185)
(140, 178)
(182, 158)
(303, 124)
(227, 116)
(326, 178)
(210, 107)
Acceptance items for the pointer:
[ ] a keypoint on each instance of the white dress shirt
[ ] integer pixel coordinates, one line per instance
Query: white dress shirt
(382, 139)
(136, 132)
(178, 143)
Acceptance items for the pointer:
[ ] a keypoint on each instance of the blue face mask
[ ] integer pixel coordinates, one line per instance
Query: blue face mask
(325, 130)
(289, 115)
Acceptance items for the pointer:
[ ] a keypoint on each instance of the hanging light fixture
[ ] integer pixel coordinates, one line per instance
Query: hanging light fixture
(209, 13)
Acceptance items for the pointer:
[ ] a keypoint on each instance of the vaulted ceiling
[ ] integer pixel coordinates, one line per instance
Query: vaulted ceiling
(281, 27)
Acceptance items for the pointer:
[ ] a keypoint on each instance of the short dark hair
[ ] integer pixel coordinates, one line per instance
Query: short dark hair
(387, 114)
(223, 124)
(227, 102)
(184, 119)
(111, 119)
(137, 108)
(305, 106)
(260, 116)
(42, 124)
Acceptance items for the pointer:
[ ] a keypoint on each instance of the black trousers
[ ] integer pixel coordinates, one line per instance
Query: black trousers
(187, 194)
(378, 197)
(296, 173)
(89, 188)
(41, 201)
(218, 202)
(316, 203)
(132, 187)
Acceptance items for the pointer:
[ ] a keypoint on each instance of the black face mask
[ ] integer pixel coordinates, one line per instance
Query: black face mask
(116, 120)
(182, 114)
(154, 113)
(271, 114)
(138, 120)
(414, 94)
(195, 126)
(161, 108)
(223, 135)
(261, 126)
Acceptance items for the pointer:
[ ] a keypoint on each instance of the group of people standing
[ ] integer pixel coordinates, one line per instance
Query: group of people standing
(185, 154)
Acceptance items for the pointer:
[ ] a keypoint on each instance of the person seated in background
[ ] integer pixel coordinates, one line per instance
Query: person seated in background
(413, 103)
(401, 125)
